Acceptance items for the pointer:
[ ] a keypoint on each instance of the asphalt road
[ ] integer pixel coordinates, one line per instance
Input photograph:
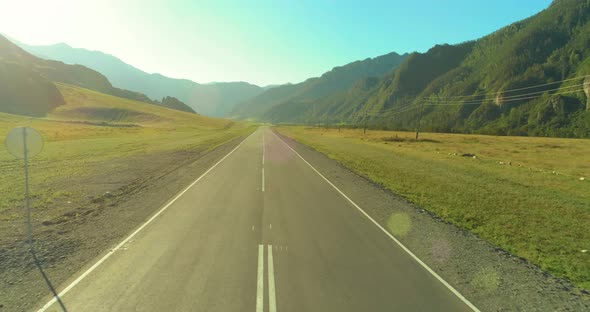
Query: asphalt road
(262, 230)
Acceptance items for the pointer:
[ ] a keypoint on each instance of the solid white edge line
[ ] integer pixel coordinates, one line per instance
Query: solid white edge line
(260, 280)
(272, 299)
(263, 160)
(424, 265)
(105, 257)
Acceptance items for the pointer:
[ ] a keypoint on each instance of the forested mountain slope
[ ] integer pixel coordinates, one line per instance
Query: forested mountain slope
(524, 79)
(337, 80)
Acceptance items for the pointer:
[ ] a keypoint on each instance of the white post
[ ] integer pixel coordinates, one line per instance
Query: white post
(27, 200)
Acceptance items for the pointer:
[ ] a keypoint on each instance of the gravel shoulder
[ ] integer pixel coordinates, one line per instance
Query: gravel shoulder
(491, 278)
(96, 213)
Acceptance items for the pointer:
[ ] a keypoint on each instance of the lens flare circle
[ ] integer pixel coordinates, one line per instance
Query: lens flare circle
(15, 141)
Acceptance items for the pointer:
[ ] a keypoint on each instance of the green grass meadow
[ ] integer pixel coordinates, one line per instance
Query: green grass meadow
(93, 128)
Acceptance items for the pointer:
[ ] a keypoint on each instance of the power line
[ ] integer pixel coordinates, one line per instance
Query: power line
(393, 110)
(405, 109)
(410, 107)
(509, 100)
(511, 96)
(446, 102)
(520, 89)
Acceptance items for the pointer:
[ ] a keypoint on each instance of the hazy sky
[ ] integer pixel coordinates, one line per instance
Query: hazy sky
(262, 42)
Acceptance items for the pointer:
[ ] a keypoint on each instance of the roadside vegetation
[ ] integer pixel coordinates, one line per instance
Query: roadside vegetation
(529, 196)
(93, 128)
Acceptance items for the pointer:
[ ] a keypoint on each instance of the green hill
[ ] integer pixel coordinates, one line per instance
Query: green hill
(334, 81)
(470, 87)
(174, 103)
(548, 47)
(215, 99)
(28, 88)
(25, 92)
(335, 107)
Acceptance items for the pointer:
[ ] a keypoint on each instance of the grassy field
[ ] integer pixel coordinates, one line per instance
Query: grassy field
(530, 196)
(93, 128)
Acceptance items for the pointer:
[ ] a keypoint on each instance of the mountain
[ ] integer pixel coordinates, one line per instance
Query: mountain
(24, 91)
(334, 81)
(270, 86)
(335, 107)
(27, 82)
(215, 99)
(174, 103)
(529, 78)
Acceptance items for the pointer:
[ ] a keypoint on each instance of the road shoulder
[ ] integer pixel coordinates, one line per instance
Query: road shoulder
(68, 244)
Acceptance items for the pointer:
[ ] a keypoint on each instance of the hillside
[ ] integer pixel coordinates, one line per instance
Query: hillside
(28, 82)
(548, 47)
(25, 92)
(333, 108)
(174, 103)
(89, 105)
(59, 72)
(215, 99)
(470, 87)
(337, 80)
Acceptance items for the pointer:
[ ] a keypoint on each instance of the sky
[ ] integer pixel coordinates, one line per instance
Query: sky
(261, 42)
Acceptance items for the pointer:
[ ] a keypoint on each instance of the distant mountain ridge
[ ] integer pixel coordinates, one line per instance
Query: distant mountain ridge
(336, 80)
(215, 99)
(27, 82)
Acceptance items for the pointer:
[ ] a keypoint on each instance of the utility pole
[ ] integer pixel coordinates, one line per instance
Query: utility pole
(314, 112)
(365, 122)
(419, 120)
(27, 200)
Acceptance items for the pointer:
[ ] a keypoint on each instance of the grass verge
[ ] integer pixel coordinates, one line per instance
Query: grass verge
(94, 128)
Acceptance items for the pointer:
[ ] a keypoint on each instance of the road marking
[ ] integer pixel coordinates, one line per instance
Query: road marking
(270, 226)
(272, 299)
(252, 228)
(260, 280)
(263, 161)
(424, 265)
(112, 251)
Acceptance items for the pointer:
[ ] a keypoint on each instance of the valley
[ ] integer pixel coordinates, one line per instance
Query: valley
(346, 156)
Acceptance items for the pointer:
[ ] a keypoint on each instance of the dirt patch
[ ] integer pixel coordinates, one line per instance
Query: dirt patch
(104, 124)
(491, 278)
(398, 139)
(549, 146)
(94, 213)
(114, 114)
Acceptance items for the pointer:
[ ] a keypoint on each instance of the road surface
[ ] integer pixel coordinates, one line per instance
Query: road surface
(262, 230)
